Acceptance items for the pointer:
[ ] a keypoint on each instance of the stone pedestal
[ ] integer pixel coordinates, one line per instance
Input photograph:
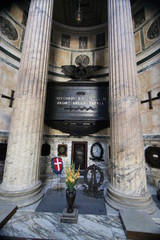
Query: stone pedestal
(69, 217)
(21, 173)
(128, 188)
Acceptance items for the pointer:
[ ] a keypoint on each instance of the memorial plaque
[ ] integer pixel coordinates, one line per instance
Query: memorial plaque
(77, 103)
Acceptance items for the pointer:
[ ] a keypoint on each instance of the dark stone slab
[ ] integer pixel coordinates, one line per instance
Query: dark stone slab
(69, 217)
(6, 212)
(139, 225)
(55, 201)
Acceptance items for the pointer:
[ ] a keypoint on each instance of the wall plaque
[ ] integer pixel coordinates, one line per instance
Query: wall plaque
(62, 150)
(74, 105)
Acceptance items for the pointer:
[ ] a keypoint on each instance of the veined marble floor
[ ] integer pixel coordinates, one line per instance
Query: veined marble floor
(30, 224)
(27, 223)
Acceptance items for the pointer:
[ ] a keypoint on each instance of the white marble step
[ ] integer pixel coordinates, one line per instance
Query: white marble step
(139, 225)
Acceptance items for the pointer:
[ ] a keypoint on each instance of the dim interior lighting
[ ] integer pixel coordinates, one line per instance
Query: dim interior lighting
(78, 13)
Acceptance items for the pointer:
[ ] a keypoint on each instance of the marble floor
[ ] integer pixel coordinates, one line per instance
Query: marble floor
(30, 224)
(27, 223)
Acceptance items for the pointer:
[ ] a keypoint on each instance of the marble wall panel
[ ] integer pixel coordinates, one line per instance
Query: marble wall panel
(150, 122)
(59, 57)
(5, 118)
(91, 41)
(74, 44)
(102, 57)
(8, 76)
(16, 12)
(8, 83)
(138, 44)
(56, 37)
(149, 81)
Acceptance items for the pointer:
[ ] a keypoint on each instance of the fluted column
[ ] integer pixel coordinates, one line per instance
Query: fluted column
(21, 182)
(128, 186)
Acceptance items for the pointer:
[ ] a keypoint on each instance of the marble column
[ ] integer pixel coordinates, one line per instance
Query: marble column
(21, 183)
(128, 187)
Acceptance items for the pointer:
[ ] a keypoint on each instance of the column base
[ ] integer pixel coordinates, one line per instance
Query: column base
(22, 198)
(120, 201)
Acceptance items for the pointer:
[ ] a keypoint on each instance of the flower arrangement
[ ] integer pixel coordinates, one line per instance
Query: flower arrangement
(71, 176)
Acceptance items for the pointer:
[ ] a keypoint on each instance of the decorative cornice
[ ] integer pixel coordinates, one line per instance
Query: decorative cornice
(75, 30)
